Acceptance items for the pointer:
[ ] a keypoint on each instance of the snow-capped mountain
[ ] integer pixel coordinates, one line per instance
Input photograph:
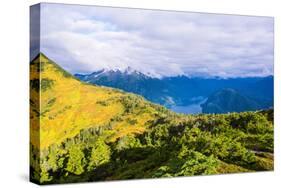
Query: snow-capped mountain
(180, 90)
(128, 80)
(112, 73)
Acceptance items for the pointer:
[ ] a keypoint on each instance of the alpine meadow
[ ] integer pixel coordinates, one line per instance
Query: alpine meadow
(118, 94)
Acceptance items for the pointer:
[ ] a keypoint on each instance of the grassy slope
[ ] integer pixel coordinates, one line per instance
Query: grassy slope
(68, 106)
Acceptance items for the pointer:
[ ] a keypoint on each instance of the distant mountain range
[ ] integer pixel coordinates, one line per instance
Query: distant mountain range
(257, 92)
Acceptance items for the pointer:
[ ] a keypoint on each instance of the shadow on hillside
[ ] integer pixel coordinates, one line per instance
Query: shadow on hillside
(133, 163)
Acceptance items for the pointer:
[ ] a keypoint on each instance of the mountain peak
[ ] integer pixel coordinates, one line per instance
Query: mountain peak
(43, 62)
(130, 70)
(39, 56)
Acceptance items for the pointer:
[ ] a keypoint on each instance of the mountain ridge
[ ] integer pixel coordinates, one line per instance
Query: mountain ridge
(180, 90)
(228, 100)
(60, 92)
(129, 69)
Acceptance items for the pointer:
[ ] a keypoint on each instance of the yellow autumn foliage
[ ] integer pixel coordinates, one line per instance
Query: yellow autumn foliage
(66, 105)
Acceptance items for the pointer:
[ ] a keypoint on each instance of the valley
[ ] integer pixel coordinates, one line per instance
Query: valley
(178, 93)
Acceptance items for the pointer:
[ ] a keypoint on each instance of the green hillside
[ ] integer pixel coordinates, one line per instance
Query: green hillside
(228, 100)
(94, 133)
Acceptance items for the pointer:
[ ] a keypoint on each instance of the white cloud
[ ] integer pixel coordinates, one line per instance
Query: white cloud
(85, 39)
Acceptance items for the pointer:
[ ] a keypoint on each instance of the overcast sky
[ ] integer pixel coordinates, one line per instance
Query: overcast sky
(83, 39)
